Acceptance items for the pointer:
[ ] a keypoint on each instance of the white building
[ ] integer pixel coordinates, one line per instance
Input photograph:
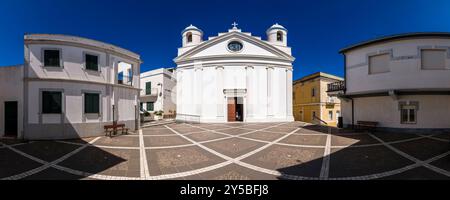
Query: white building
(400, 81)
(234, 77)
(158, 91)
(69, 87)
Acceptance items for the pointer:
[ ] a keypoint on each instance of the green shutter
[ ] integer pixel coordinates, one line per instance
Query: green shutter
(51, 102)
(148, 88)
(91, 62)
(91, 103)
(150, 106)
(51, 58)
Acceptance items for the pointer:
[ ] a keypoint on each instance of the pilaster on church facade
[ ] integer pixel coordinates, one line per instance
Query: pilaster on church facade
(234, 76)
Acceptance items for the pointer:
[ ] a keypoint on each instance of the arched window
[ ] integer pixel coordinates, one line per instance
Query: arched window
(279, 36)
(189, 37)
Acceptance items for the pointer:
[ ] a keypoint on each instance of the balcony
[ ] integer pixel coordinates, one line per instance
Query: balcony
(150, 95)
(336, 88)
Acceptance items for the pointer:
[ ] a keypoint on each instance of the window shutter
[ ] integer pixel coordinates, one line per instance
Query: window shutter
(433, 59)
(148, 88)
(379, 64)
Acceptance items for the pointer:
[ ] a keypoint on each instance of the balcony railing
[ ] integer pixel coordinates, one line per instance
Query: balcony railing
(336, 86)
(151, 92)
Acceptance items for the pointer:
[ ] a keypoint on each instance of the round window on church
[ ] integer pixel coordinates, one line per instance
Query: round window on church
(235, 46)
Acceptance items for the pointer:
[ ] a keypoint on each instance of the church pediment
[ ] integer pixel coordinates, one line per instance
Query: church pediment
(242, 46)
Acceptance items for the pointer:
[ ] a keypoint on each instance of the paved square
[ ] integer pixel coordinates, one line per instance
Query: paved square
(237, 151)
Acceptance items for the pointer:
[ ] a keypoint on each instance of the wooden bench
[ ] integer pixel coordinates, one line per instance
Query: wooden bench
(111, 130)
(366, 125)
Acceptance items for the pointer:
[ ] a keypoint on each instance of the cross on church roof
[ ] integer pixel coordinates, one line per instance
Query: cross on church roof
(234, 24)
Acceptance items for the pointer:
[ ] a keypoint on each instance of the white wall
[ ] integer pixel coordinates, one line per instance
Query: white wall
(432, 113)
(73, 65)
(11, 89)
(166, 102)
(74, 80)
(405, 67)
(212, 106)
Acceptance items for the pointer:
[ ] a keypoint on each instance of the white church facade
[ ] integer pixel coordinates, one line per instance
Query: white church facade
(234, 76)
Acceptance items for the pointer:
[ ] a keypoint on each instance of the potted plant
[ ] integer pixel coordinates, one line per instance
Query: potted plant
(159, 115)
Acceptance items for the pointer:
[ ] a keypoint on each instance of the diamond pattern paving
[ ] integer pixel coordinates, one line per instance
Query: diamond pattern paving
(232, 151)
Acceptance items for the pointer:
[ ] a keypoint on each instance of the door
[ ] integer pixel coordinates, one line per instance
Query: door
(231, 109)
(239, 109)
(11, 118)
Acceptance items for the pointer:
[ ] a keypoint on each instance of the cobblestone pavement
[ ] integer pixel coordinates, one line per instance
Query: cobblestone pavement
(240, 151)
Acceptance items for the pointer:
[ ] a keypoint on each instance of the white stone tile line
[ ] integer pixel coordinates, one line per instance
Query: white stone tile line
(157, 124)
(45, 163)
(94, 176)
(364, 177)
(200, 145)
(377, 144)
(100, 146)
(228, 159)
(14, 145)
(238, 135)
(422, 163)
(170, 147)
(434, 138)
(301, 145)
(192, 172)
(326, 159)
(187, 133)
(313, 134)
(265, 146)
(144, 171)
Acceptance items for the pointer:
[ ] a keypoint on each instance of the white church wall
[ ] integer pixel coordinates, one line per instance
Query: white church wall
(221, 49)
(209, 109)
(204, 73)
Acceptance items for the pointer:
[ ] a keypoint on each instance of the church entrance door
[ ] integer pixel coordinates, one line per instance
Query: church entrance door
(235, 109)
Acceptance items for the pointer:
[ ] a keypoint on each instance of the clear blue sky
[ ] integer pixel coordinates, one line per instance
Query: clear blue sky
(317, 28)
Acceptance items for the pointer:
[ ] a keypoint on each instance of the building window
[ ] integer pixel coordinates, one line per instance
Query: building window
(150, 106)
(280, 36)
(379, 63)
(91, 103)
(148, 88)
(141, 105)
(189, 37)
(313, 92)
(330, 115)
(51, 102)
(52, 58)
(433, 58)
(91, 62)
(408, 114)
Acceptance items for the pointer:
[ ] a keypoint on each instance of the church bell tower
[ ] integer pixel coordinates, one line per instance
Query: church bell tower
(277, 35)
(192, 36)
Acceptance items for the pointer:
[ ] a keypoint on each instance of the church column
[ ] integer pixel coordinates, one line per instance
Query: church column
(180, 96)
(270, 91)
(198, 69)
(289, 94)
(250, 94)
(220, 95)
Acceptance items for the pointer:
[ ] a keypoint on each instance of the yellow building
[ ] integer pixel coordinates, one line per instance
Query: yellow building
(311, 98)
